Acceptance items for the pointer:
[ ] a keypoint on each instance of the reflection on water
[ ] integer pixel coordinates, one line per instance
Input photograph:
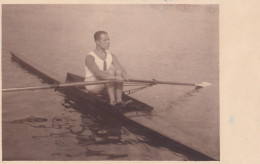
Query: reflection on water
(182, 98)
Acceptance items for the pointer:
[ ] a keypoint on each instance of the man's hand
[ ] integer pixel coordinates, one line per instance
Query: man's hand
(119, 78)
(125, 74)
(119, 66)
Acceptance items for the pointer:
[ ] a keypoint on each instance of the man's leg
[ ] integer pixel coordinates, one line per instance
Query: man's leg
(96, 89)
(119, 88)
(111, 87)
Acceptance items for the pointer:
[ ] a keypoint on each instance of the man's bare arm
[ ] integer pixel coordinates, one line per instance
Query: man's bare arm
(90, 63)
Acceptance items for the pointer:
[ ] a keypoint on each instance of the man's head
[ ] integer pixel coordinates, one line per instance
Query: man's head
(102, 39)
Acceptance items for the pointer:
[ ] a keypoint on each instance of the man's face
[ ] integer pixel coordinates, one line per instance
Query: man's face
(103, 42)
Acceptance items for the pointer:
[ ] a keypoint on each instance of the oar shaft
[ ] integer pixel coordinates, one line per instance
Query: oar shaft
(56, 86)
(100, 82)
(160, 82)
(26, 88)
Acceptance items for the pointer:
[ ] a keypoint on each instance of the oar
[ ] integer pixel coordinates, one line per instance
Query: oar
(201, 85)
(57, 85)
(204, 84)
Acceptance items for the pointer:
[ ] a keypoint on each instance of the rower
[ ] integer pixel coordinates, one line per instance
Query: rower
(101, 64)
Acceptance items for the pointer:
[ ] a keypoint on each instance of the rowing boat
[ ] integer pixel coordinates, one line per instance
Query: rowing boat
(100, 100)
(74, 85)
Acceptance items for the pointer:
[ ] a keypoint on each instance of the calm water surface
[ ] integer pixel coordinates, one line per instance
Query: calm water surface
(171, 43)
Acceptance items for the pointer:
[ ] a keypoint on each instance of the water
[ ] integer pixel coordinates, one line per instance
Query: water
(171, 43)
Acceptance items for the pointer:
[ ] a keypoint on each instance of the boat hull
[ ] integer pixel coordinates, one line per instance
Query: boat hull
(102, 101)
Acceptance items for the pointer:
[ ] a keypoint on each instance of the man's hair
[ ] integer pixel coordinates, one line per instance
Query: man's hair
(98, 34)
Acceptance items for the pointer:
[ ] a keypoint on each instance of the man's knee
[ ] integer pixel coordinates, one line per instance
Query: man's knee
(119, 72)
(112, 72)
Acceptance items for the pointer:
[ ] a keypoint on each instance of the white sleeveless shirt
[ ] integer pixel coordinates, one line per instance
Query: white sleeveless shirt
(99, 62)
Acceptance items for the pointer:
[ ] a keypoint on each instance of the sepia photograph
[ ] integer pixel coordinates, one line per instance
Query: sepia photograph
(110, 82)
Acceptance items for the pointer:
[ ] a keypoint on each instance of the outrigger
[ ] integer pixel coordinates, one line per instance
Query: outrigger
(75, 84)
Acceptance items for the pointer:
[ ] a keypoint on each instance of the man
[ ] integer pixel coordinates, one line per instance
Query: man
(100, 64)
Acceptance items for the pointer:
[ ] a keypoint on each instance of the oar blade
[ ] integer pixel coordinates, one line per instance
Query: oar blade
(202, 85)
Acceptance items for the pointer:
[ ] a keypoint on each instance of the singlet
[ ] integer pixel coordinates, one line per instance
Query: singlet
(99, 62)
